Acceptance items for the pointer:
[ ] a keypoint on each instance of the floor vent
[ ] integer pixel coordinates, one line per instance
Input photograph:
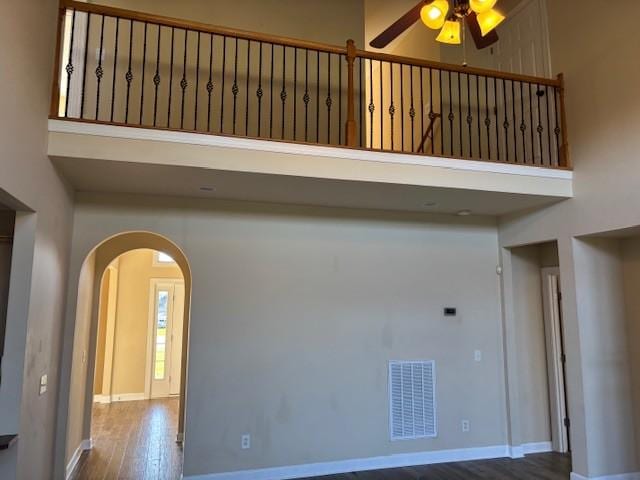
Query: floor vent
(412, 399)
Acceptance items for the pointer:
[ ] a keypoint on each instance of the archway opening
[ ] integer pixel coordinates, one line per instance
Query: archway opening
(129, 355)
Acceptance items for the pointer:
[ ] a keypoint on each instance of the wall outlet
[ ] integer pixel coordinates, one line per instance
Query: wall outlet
(245, 441)
(43, 384)
(466, 426)
(477, 355)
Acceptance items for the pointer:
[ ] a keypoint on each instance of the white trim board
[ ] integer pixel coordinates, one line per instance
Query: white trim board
(622, 476)
(113, 131)
(362, 464)
(119, 397)
(75, 458)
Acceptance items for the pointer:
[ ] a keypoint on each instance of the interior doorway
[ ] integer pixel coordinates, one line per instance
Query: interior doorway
(539, 349)
(140, 326)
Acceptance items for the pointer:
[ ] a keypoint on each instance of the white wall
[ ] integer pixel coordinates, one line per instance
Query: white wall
(296, 312)
(29, 183)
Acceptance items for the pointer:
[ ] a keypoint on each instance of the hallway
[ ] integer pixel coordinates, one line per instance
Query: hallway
(133, 440)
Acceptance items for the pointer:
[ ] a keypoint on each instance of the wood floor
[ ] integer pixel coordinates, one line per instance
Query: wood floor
(133, 440)
(136, 440)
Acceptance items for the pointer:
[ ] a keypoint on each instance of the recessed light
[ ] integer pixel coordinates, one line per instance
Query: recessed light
(207, 189)
(464, 213)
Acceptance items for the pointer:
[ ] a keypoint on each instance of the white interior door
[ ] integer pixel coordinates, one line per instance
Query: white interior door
(555, 359)
(166, 337)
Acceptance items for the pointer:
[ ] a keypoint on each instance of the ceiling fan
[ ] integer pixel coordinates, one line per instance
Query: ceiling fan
(479, 15)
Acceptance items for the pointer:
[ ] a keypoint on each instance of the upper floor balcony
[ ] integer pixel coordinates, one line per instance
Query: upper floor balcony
(200, 97)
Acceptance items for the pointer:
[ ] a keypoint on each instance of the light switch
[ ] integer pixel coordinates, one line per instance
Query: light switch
(478, 355)
(43, 384)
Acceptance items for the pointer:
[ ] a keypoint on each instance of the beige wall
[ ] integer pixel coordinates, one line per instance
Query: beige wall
(103, 313)
(602, 110)
(378, 285)
(135, 272)
(630, 251)
(29, 183)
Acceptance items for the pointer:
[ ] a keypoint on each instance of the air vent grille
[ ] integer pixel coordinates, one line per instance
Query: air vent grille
(412, 400)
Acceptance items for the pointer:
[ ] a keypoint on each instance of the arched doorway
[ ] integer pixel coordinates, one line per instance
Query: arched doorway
(97, 273)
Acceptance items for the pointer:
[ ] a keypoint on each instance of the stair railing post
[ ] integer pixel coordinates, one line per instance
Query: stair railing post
(565, 160)
(350, 133)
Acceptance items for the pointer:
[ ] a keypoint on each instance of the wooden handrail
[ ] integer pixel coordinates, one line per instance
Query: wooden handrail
(428, 131)
(384, 57)
(200, 27)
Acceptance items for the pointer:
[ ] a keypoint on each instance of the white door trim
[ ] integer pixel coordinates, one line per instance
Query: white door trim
(555, 370)
(153, 284)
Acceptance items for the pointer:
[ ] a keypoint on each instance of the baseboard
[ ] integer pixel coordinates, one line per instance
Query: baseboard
(622, 476)
(75, 458)
(360, 464)
(99, 398)
(536, 447)
(128, 397)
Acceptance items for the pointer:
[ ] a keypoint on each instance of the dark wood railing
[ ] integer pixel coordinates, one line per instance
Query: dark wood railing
(121, 67)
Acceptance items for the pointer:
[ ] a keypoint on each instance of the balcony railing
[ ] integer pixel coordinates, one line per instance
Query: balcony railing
(121, 67)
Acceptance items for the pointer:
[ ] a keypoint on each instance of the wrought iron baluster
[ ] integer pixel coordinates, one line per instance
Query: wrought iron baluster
(129, 75)
(523, 126)
(259, 91)
(392, 107)
(372, 106)
(495, 110)
(306, 97)
(401, 107)
(234, 87)
(271, 96)
(546, 89)
(421, 106)
(283, 92)
(115, 67)
(340, 100)
(460, 114)
(222, 81)
(505, 124)
(469, 116)
(441, 112)
(84, 68)
(487, 119)
(69, 67)
(246, 114)
(156, 77)
(173, 33)
(144, 63)
(540, 128)
(412, 110)
(556, 130)
(317, 96)
(533, 152)
(513, 107)
(361, 95)
(295, 92)
(432, 115)
(210, 83)
(479, 123)
(99, 70)
(183, 83)
(451, 115)
(381, 109)
(197, 89)
(328, 100)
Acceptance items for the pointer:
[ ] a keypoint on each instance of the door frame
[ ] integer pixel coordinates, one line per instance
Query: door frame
(556, 358)
(153, 284)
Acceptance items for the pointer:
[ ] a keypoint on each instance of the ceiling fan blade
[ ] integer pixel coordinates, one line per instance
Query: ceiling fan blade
(404, 22)
(480, 41)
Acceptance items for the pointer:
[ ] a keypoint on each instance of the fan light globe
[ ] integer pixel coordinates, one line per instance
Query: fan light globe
(434, 14)
(481, 6)
(450, 33)
(489, 20)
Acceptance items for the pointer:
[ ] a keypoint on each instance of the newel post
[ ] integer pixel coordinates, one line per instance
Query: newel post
(55, 91)
(564, 160)
(350, 132)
